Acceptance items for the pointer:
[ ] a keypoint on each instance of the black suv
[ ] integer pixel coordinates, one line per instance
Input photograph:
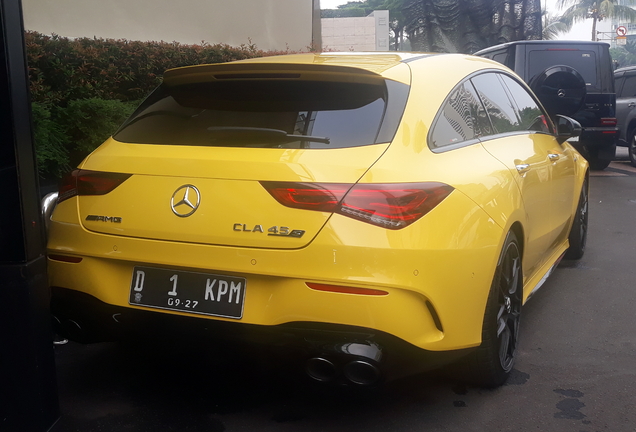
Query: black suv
(572, 78)
(625, 79)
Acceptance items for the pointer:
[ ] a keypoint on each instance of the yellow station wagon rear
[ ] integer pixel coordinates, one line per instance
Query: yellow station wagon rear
(302, 196)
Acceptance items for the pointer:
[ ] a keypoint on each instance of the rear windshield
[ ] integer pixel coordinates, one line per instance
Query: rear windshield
(583, 61)
(267, 113)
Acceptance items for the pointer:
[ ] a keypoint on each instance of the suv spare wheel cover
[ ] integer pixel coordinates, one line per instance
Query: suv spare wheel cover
(561, 89)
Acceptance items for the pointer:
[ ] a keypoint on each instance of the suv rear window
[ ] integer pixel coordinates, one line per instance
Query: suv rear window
(266, 113)
(584, 61)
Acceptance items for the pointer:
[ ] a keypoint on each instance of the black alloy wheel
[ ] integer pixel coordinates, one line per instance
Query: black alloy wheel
(578, 232)
(631, 149)
(508, 305)
(490, 364)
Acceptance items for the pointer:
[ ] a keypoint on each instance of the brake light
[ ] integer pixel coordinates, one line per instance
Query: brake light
(308, 196)
(608, 121)
(346, 289)
(85, 182)
(391, 205)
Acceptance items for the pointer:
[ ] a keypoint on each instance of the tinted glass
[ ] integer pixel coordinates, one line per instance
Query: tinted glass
(581, 60)
(530, 115)
(619, 84)
(629, 87)
(461, 118)
(501, 110)
(260, 113)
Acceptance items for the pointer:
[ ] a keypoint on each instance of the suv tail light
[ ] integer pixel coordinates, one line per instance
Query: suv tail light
(390, 205)
(608, 121)
(83, 182)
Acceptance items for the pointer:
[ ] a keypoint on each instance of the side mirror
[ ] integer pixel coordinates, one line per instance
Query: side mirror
(566, 128)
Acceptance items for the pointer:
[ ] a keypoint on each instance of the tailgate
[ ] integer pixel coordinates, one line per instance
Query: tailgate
(226, 203)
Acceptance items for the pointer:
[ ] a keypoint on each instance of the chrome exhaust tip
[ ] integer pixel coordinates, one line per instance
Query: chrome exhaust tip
(362, 372)
(321, 369)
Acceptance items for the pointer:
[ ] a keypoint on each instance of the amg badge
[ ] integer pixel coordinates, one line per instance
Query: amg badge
(95, 218)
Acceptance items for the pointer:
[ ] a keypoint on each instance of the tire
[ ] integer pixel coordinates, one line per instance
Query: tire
(578, 232)
(491, 363)
(631, 149)
(596, 163)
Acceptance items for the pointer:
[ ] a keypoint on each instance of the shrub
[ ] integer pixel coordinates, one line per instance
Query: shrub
(89, 122)
(63, 69)
(82, 89)
(65, 135)
(50, 143)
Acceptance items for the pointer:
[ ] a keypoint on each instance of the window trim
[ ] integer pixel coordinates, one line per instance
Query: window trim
(493, 135)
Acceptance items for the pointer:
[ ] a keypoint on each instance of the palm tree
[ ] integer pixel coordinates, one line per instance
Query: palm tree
(553, 26)
(597, 10)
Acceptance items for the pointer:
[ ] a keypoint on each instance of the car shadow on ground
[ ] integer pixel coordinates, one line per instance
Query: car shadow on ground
(165, 387)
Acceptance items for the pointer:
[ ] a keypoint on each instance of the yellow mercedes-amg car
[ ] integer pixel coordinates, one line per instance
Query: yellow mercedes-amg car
(365, 207)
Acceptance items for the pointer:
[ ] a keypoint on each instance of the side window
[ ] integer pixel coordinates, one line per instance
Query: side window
(530, 115)
(618, 82)
(500, 57)
(501, 110)
(629, 87)
(461, 118)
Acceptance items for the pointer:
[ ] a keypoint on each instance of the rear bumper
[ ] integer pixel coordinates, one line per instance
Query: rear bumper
(437, 286)
(599, 137)
(83, 318)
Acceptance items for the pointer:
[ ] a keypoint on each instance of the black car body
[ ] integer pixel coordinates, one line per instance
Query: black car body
(625, 79)
(572, 78)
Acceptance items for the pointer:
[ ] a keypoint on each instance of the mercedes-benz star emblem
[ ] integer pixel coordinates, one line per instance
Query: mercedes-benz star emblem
(185, 200)
(561, 93)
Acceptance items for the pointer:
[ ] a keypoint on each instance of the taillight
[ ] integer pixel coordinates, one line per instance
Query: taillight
(308, 196)
(390, 205)
(608, 121)
(84, 182)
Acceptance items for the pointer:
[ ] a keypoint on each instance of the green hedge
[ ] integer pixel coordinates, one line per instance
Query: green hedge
(82, 89)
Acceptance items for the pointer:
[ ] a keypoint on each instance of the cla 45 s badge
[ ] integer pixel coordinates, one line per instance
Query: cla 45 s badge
(273, 231)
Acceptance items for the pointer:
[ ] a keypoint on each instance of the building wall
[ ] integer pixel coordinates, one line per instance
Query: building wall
(369, 33)
(270, 24)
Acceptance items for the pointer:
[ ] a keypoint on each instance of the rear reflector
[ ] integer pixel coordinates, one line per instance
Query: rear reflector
(84, 182)
(65, 258)
(346, 289)
(389, 205)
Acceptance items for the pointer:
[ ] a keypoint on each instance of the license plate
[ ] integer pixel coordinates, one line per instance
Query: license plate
(198, 293)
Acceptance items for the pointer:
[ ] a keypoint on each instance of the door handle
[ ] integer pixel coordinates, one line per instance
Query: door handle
(553, 156)
(522, 168)
(631, 104)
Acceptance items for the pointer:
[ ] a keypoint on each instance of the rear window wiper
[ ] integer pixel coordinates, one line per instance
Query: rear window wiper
(270, 134)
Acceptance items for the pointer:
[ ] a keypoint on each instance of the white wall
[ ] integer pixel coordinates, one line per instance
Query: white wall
(270, 24)
(369, 33)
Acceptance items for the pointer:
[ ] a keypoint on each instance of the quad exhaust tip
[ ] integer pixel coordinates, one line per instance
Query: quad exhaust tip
(359, 372)
(321, 369)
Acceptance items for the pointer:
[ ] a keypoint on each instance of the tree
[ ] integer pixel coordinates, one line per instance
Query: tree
(469, 25)
(553, 25)
(596, 10)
